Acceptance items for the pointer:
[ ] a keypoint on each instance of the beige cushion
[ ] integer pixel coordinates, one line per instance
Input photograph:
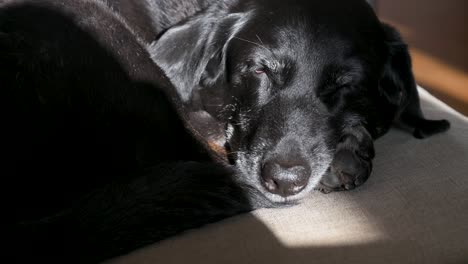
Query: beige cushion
(413, 209)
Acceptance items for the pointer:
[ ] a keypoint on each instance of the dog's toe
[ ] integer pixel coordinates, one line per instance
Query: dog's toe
(348, 171)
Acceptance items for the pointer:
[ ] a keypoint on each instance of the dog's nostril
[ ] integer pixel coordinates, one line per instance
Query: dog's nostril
(270, 184)
(284, 180)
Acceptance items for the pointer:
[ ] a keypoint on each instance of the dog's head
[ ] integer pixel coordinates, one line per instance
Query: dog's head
(280, 80)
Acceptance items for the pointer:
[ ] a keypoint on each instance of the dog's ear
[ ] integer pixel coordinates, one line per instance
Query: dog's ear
(193, 54)
(398, 88)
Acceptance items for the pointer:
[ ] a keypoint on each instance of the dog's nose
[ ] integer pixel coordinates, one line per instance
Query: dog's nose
(285, 178)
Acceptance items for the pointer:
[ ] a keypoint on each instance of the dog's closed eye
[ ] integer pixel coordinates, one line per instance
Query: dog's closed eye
(259, 71)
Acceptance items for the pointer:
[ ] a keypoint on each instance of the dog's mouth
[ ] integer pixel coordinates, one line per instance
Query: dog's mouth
(271, 189)
(282, 178)
(251, 174)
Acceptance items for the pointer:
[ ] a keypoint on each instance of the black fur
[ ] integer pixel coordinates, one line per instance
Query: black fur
(149, 18)
(266, 101)
(98, 160)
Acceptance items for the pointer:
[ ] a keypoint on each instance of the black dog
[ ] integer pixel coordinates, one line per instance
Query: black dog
(101, 146)
(302, 88)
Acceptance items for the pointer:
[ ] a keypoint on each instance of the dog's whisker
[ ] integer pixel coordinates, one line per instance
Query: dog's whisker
(259, 39)
(254, 43)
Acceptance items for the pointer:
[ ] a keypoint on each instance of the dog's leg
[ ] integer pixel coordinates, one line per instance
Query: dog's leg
(352, 163)
(399, 88)
(413, 117)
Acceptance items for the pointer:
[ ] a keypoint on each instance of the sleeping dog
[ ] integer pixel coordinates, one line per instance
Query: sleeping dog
(264, 101)
(301, 88)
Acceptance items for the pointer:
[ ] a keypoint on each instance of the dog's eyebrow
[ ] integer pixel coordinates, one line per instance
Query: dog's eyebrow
(253, 42)
(261, 44)
(346, 73)
(345, 78)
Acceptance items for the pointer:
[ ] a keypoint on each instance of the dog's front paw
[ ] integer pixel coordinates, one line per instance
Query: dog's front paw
(352, 163)
(347, 171)
(350, 168)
